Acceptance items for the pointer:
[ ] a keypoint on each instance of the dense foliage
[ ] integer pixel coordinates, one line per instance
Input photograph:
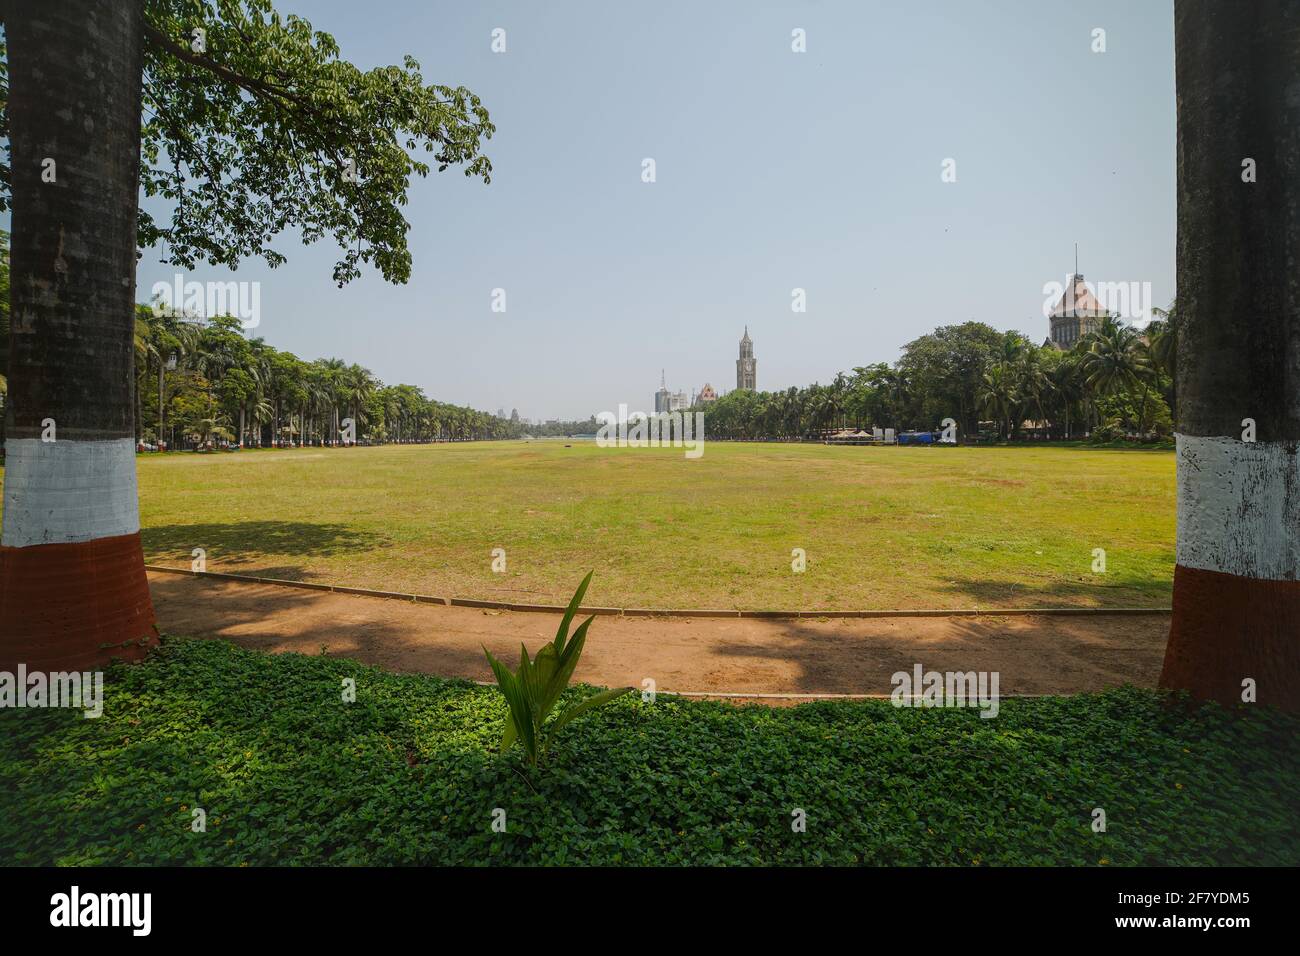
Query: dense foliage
(1114, 382)
(218, 384)
(252, 125)
(410, 773)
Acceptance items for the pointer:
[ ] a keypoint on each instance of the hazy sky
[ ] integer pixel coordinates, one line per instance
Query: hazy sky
(775, 170)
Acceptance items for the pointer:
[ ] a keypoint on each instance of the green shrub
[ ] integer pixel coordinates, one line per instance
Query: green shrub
(532, 691)
(1108, 431)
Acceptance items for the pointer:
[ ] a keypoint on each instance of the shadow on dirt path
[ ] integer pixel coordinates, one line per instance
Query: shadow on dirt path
(1033, 655)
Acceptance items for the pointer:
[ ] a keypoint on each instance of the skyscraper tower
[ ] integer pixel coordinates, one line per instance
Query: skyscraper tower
(661, 396)
(746, 367)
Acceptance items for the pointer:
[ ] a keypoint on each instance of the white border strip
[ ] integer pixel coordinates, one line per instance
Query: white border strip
(1239, 507)
(63, 492)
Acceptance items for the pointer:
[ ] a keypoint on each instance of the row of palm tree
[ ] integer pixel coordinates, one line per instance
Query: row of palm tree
(201, 384)
(204, 383)
(1115, 382)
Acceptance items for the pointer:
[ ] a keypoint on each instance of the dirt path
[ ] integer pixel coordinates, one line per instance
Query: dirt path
(1034, 655)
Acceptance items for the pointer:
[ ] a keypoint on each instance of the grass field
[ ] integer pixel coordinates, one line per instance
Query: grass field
(881, 527)
(410, 774)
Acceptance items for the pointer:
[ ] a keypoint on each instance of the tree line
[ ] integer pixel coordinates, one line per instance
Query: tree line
(1115, 382)
(206, 383)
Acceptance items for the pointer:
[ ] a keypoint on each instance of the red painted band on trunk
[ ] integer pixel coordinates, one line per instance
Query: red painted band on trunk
(61, 603)
(1227, 628)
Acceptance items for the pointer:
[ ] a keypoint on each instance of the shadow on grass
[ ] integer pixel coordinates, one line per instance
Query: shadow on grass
(230, 540)
(1115, 591)
(1162, 447)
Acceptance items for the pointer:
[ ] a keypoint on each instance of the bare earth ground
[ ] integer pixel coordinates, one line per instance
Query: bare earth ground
(1033, 655)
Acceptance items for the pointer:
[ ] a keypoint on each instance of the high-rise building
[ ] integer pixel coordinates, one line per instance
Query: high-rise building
(661, 396)
(746, 367)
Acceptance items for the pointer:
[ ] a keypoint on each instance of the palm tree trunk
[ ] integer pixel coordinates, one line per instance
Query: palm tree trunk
(73, 590)
(161, 373)
(1237, 571)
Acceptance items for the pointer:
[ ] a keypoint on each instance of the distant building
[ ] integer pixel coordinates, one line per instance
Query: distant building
(707, 394)
(1076, 314)
(662, 396)
(746, 367)
(677, 402)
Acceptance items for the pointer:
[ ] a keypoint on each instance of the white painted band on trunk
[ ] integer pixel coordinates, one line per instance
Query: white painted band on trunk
(66, 491)
(1239, 507)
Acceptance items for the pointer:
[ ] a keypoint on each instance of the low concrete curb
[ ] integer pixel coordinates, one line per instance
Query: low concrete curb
(668, 612)
(794, 695)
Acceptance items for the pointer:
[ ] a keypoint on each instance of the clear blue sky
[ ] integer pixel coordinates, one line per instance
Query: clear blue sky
(775, 170)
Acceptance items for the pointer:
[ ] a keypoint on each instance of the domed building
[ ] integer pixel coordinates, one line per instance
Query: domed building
(1076, 314)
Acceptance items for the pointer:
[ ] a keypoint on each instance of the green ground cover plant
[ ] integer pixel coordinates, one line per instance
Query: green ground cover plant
(412, 771)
